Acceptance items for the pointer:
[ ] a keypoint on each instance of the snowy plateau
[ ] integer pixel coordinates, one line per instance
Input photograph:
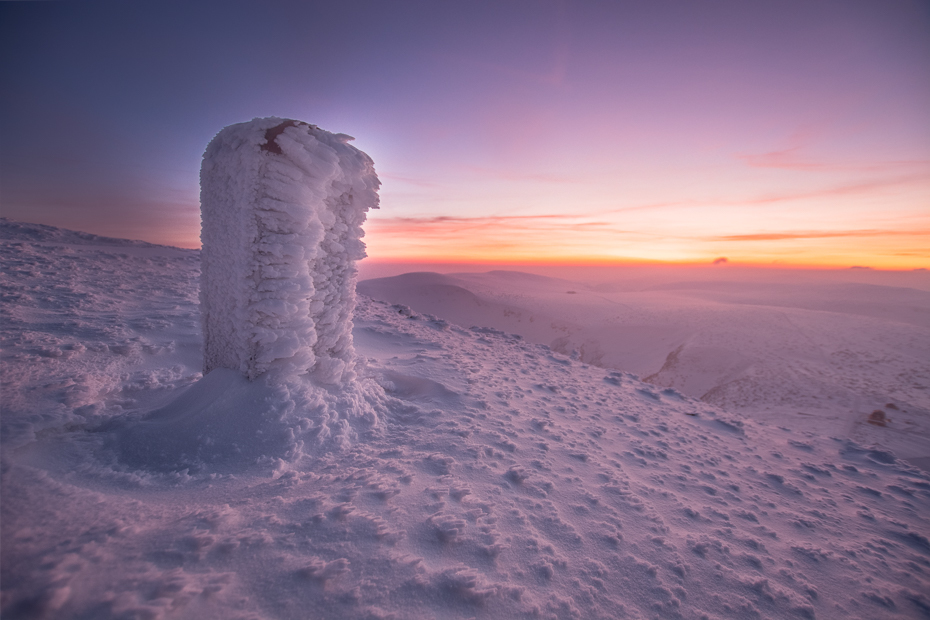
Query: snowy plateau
(494, 477)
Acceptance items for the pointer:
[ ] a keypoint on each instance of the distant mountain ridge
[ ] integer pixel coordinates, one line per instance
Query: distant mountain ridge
(11, 230)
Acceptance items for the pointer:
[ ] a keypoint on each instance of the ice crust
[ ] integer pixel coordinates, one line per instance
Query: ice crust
(283, 203)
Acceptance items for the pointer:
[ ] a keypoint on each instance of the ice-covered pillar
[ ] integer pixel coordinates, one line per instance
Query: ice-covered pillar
(282, 205)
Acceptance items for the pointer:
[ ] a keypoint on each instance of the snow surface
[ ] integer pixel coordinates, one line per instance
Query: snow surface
(283, 203)
(818, 351)
(498, 478)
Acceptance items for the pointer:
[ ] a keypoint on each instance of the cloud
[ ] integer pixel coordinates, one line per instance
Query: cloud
(862, 187)
(794, 156)
(494, 236)
(556, 237)
(849, 189)
(444, 225)
(792, 159)
(817, 234)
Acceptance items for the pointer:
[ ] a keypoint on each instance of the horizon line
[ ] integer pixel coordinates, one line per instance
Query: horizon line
(634, 262)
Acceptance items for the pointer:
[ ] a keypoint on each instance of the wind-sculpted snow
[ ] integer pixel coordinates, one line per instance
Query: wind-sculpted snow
(504, 480)
(283, 204)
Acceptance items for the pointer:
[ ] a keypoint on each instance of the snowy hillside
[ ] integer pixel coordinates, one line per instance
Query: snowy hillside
(495, 478)
(818, 351)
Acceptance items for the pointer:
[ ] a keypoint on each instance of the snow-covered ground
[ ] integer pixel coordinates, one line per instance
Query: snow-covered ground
(820, 351)
(493, 477)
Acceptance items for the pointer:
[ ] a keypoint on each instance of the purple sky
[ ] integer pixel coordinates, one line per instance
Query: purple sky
(766, 132)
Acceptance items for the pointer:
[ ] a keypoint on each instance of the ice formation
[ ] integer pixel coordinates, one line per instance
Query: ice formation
(283, 204)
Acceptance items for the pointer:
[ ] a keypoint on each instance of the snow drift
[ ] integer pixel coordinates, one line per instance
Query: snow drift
(283, 204)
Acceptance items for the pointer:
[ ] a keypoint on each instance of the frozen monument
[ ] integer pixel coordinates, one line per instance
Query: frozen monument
(282, 204)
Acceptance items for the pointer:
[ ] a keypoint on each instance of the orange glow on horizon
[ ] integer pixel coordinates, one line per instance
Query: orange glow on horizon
(449, 263)
(543, 241)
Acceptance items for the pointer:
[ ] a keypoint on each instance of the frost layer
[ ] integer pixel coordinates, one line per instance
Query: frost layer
(283, 203)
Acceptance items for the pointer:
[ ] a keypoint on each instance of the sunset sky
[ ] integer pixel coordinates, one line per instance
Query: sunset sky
(557, 132)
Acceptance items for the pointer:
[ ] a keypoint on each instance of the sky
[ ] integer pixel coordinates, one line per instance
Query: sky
(770, 133)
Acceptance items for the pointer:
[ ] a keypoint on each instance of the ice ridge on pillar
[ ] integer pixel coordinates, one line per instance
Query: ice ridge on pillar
(282, 205)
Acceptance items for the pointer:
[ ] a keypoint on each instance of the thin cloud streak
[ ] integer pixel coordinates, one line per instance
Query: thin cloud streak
(570, 238)
(789, 159)
(505, 225)
(447, 226)
(842, 190)
(864, 187)
(820, 234)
